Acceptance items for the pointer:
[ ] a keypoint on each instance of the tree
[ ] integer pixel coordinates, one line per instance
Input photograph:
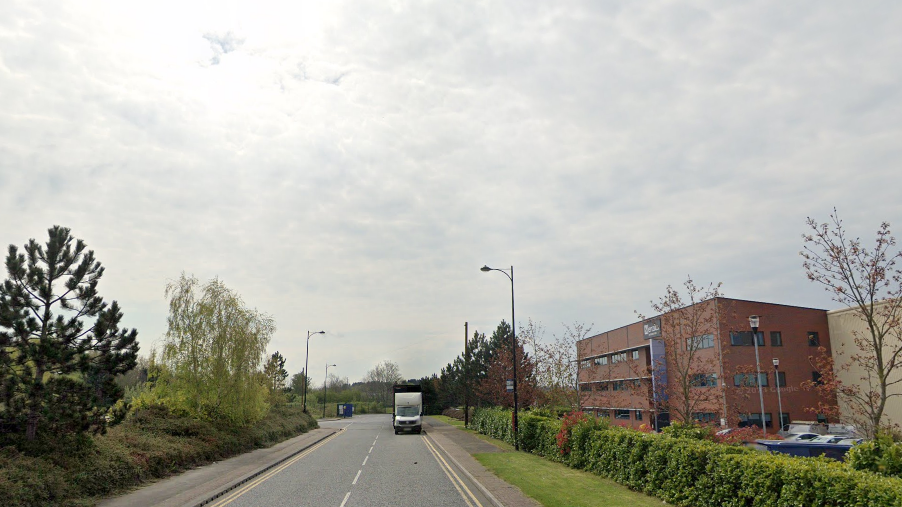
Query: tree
(688, 328)
(555, 362)
(868, 280)
(298, 381)
(60, 344)
(213, 350)
(499, 369)
(275, 372)
(379, 380)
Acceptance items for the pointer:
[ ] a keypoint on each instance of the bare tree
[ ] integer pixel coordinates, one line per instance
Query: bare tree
(379, 380)
(869, 281)
(555, 362)
(688, 329)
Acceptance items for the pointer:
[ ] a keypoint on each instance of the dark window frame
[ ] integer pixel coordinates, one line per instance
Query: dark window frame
(776, 339)
(744, 338)
(814, 340)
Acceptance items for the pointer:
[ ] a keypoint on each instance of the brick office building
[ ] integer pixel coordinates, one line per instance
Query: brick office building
(623, 373)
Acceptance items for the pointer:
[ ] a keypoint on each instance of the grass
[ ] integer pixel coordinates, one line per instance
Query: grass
(556, 485)
(553, 484)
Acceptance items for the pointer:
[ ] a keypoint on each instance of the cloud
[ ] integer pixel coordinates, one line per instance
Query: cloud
(350, 166)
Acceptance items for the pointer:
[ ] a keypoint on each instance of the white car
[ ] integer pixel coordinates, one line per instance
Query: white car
(828, 439)
(801, 437)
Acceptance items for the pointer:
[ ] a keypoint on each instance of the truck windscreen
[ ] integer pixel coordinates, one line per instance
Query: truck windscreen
(408, 412)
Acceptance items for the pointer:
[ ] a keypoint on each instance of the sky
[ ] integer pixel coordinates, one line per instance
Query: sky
(349, 166)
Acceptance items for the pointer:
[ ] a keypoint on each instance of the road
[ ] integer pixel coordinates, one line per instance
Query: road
(363, 465)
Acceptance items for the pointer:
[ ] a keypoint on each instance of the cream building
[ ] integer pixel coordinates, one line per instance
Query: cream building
(843, 325)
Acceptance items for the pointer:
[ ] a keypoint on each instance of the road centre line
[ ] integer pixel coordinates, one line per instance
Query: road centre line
(343, 502)
(455, 480)
(364, 461)
(355, 478)
(264, 477)
(371, 449)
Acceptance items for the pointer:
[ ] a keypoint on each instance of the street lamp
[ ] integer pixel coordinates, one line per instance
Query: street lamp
(513, 345)
(753, 322)
(777, 381)
(325, 383)
(306, 371)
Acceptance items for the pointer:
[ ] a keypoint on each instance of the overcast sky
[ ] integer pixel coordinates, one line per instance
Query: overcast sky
(349, 166)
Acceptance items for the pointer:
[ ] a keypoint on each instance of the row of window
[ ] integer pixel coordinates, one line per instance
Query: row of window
(615, 385)
(619, 413)
(744, 339)
(612, 358)
(755, 419)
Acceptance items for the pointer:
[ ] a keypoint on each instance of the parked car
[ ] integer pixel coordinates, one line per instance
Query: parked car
(799, 437)
(803, 427)
(828, 439)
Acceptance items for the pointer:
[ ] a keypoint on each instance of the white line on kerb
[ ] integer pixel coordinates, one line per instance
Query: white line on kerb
(343, 502)
(355, 478)
(364, 461)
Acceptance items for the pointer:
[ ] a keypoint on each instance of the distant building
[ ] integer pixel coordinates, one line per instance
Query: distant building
(622, 372)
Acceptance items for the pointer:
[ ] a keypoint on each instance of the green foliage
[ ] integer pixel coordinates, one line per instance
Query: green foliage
(60, 343)
(688, 430)
(209, 366)
(880, 455)
(688, 470)
(151, 443)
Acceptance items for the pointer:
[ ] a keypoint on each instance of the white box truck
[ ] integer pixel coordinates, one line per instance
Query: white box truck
(407, 414)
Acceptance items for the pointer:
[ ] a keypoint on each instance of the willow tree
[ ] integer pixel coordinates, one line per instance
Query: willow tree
(212, 354)
(60, 343)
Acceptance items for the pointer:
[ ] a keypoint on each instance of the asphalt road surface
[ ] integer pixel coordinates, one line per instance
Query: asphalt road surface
(363, 465)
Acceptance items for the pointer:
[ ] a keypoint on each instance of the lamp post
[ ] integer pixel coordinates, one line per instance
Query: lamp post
(306, 371)
(513, 346)
(753, 322)
(325, 383)
(777, 381)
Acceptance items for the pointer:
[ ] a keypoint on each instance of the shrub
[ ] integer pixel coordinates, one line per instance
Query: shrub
(683, 468)
(880, 455)
(689, 430)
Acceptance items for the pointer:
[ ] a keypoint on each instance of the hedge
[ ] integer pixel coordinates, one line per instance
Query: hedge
(695, 473)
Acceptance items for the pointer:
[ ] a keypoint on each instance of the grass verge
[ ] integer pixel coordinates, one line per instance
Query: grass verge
(556, 485)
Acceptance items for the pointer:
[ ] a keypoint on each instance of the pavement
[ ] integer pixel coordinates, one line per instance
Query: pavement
(202, 485)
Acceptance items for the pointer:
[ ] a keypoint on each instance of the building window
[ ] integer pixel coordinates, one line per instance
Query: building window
(704, 417)
(703, 380)
(621, 413)
(744, 338)
(776, 339)
(781, 379)
(748, 379)
(705, 341)
(635, 354)
(585, 364)
(813, 339)
(600, 361)
(638, 415)
(618, 385)
(785, 421)
(616, 358)
(755, 420)
(822, 419)
(602, 387)
(816, 378)
(585, 387)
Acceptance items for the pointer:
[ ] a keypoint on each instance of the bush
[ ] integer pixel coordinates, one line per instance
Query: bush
(151, 443)
(684, 468)
(880, 455)
(689, 430)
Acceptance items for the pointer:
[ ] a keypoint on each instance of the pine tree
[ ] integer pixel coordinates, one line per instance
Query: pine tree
(60, 343)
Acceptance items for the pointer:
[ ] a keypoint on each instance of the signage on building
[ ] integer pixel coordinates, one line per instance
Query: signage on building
(651, 329)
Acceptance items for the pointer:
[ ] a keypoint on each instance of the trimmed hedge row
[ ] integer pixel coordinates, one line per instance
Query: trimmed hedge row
(696, 473)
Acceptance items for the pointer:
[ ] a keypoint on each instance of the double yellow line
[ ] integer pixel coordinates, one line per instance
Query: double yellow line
(260, 479)
(458, 483)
